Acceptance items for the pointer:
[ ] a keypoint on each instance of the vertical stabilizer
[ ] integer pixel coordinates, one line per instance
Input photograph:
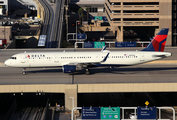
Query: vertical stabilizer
(158, 42)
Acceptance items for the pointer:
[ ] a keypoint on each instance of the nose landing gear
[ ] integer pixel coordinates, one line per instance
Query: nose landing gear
(24, 71)
(87, 71)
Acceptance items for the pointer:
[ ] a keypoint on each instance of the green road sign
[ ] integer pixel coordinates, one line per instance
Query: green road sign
(99, 44)
(110, 113)
(98, 18)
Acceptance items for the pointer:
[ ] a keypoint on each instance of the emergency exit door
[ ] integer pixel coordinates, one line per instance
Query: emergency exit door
(142, 57)
(56, 58)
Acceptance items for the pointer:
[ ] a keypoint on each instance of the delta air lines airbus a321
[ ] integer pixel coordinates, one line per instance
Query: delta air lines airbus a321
(74, 61)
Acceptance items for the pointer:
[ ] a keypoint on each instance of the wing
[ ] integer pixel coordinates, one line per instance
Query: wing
(81, 65)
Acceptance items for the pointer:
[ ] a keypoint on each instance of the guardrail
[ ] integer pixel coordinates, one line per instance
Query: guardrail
(142, 43)
(135, 112)
(45, 110)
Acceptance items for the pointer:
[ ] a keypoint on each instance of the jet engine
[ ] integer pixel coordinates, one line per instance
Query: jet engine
(69, 68)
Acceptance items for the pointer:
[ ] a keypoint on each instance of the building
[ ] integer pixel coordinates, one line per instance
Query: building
(96, 7)
(143, 14)
(174, 22)
(147, 16)
(4, 7)
(6, 33)
(23, 4)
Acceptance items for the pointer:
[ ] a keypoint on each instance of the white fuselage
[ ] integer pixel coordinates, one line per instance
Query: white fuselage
(56, 59)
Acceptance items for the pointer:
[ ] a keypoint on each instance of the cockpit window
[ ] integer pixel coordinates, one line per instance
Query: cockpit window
(13, 58)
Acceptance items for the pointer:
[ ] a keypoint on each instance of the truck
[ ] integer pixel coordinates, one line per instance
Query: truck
(3, 42)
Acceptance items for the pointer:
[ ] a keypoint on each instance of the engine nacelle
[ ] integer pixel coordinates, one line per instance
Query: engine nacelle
(69, 68)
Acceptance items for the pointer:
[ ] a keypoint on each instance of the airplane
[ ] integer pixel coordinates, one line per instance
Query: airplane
(74, 61)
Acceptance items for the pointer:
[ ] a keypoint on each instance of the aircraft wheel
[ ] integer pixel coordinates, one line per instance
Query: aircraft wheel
(24, 73)
(87, 71)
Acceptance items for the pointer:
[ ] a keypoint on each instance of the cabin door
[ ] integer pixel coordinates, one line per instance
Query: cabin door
(23, 59)
(142, 58)
(97, 58)
(56, 58)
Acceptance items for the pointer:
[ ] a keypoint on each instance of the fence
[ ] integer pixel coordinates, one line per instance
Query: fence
(111, 44)
(139, 112)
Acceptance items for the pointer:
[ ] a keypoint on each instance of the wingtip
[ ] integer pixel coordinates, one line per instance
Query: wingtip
(105, 58)
(104, 48)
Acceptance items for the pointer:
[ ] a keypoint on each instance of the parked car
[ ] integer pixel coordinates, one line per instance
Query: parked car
(133, 116)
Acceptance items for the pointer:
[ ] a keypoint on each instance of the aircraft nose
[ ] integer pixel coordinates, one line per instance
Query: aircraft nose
(7, 63)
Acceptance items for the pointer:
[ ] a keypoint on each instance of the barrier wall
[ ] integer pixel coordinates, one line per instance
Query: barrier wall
(102, 44)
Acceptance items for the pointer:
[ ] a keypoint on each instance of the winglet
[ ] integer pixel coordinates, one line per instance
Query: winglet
(105, 58)
(104, 48)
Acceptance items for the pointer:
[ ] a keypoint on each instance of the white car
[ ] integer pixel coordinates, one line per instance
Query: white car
(133, 116)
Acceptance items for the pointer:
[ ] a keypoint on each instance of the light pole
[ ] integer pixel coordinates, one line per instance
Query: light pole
(67, 18)
(4, 30)
(72, 100)
(76, 31)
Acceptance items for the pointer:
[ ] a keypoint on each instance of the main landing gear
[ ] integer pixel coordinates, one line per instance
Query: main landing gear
(24, 71)
(87, 71)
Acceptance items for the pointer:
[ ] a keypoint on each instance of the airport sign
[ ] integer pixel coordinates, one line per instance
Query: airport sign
(81, 36)
(119, 44)
(104, 18)
(108, 113)
(147, 103)
(88, 44)
(98, 18)
(146, 112)
(130, 44)
(42, 40)
(99, 44)
(90, 113)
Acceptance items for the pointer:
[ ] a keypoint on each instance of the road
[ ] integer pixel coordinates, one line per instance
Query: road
(53, 22)
(56, 33)
(133, 74)
(48, 20)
